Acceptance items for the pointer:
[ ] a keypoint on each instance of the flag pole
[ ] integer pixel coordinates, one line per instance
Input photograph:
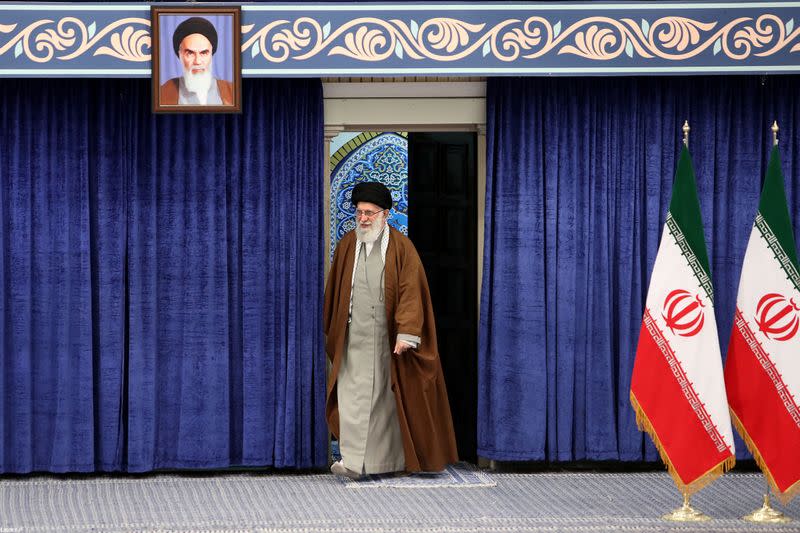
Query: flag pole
(767, 514)
(686, 513)
(686, 129)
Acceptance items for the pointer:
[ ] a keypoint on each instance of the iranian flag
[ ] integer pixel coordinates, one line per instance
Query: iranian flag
(762, 373)
(677, 387)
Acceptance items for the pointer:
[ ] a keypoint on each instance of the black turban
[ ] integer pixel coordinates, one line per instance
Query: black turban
(194, 25)
(373, 192)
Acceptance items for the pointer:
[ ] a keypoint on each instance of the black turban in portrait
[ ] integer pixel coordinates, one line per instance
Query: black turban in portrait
(373, 192)
(194, 25)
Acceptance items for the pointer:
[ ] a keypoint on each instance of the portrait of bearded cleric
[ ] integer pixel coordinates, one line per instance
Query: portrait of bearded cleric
(196, 65)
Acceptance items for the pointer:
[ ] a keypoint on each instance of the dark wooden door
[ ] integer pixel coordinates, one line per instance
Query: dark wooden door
(442, 224)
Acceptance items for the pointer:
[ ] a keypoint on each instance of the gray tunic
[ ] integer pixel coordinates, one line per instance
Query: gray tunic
(369, 431)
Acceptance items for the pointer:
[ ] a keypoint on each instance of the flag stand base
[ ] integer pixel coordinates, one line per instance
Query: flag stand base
(686, 513)
(767, 515)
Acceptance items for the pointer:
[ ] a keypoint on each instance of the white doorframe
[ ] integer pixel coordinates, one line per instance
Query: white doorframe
(407, 106)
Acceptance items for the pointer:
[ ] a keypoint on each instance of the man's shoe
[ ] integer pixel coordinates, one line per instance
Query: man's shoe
(339, 469)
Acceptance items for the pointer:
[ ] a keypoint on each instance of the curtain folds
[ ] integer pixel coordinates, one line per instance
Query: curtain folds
(161, 279)
(161, 276)
(579, 175)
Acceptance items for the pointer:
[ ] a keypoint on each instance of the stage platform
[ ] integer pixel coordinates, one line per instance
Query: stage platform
(318, 502)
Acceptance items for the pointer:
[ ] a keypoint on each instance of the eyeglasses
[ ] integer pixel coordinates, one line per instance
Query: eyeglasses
(368, 214)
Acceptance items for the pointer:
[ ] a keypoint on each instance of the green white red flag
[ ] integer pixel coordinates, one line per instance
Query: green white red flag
(677, 387)
(762, 371)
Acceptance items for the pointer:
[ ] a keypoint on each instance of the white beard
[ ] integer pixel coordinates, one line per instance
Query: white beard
(371, 233)
(198, 83)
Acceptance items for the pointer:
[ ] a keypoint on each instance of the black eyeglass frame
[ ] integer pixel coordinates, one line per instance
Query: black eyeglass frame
(369, 214)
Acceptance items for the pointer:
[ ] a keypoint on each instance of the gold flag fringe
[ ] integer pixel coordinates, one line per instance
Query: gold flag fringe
(685, 488)
(784, 497)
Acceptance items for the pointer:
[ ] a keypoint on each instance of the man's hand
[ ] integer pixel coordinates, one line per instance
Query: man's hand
(400, 347)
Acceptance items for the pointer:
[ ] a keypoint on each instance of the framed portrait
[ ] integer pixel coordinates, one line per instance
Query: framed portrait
(196, 55)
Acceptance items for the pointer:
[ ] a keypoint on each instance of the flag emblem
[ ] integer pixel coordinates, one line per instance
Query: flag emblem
(683, 313)
(777, 317)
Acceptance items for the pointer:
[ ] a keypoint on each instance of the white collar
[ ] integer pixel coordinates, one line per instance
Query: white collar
(384, 238)
(384, 247)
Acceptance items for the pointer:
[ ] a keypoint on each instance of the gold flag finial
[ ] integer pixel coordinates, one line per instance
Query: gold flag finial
(775, 133)
(686, 129)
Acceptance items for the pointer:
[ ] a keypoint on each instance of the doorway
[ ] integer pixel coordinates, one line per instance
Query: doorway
(445, 122)
(442, 224)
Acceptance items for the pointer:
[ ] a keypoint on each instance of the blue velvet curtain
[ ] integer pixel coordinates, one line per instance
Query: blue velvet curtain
(161, 279)
(579, 175)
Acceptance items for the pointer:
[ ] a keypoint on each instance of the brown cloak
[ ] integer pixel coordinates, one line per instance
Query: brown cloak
(429, 443)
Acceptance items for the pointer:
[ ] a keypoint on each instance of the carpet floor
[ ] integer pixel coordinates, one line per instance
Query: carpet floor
(276, 502)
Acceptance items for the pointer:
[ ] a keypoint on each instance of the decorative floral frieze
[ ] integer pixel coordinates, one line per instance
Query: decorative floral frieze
(349, 38)
(443, 39)
(126, 39)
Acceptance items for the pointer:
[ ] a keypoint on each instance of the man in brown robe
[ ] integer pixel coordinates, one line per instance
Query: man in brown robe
(387, 402)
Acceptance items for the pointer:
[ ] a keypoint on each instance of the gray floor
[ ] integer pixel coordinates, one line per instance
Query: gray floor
(321, 503)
